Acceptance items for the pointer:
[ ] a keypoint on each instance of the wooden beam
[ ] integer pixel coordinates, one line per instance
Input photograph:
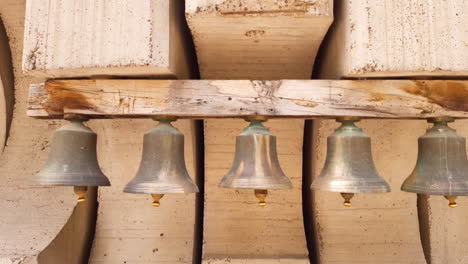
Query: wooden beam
(399, 99)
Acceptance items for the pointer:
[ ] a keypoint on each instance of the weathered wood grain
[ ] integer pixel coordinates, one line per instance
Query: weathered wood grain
(237, 98)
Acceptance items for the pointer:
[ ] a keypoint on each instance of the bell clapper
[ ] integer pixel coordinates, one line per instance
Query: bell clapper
(81, 191)
(156, 198)
(261, 196)
(452, 201)
(347, 199)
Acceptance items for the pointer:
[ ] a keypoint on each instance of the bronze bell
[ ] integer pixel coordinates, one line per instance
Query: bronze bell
(256, 164)
(349, 167)
(72, 159)
(162, 168)
(442, 164)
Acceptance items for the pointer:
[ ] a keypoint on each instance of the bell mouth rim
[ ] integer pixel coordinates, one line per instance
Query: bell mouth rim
(98, 179)
(253, 187)
(143, 188)
(380, 189)
(433, 192)
(160, 191)
(68, 184)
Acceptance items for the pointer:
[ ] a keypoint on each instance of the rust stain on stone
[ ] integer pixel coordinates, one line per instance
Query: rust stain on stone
(452, 95)
(264, 8)
(263, 12)
(61, 97)
(367, 68)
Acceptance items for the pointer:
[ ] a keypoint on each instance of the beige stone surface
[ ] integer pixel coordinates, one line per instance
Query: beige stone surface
(394, 38)
(378, 228)
(257, 261)
(245, 39)
(41, 221)
(129, 229)
(121, 38)
(385, 39)
(33, 218)
(73, 243)
(235, 226)
(6, 86)
(265, 7)
(448, 240)
(88, 38)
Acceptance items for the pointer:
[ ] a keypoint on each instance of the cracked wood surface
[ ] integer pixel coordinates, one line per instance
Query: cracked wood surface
(237, 98)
